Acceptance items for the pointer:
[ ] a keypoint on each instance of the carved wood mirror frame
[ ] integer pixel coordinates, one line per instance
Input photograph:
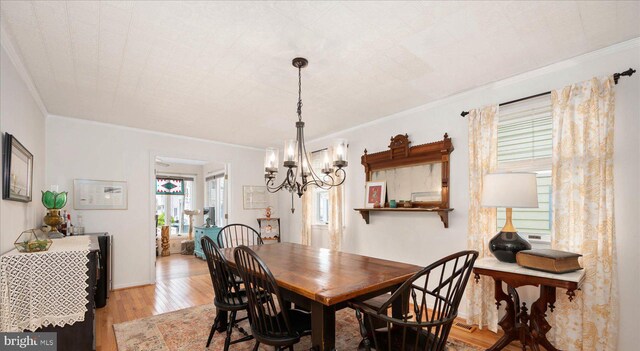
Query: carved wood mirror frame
(401, 154)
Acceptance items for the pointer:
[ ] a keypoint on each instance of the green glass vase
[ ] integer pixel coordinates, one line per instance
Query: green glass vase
(53, 200)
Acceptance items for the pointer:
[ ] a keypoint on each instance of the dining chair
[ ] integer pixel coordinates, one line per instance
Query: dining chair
(432, 295)
(272, 321)
(233, 235)
(229, 297)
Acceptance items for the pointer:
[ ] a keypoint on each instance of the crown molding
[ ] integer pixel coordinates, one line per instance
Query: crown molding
(153, 132)
(538, 72)
(14, 56)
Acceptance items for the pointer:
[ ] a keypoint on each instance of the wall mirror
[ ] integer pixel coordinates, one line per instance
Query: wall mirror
(416, 176)
(421, 183)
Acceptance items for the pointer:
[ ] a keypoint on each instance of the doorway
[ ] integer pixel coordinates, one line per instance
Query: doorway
(187, 193)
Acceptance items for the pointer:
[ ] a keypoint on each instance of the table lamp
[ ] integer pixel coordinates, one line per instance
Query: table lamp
(510, 190)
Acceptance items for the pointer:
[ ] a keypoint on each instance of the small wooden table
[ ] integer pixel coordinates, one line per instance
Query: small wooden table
(530, 328)
(324, 280)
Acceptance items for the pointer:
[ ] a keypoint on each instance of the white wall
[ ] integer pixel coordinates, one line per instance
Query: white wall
(421, 238)
(89, 150)
(21, 116)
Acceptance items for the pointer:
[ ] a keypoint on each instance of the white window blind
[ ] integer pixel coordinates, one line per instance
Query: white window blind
(525, 144)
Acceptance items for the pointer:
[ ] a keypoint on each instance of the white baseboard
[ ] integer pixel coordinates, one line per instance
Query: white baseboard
(131, 285)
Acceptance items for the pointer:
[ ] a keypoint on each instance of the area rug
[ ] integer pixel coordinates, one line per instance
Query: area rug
(188, 329)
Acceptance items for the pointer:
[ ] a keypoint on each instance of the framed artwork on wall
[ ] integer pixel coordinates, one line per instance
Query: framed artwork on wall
(99, 195)
(375, 193)
(17, 170)
(254, 197)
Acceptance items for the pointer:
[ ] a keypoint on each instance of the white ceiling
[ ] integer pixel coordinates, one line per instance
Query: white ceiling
(222, 71)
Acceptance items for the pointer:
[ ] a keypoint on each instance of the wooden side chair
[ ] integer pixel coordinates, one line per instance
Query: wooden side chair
(434, 294)
(272, 321)
(229, 297)
(233, 235)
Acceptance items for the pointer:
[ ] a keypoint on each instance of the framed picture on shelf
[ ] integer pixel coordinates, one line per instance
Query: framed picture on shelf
(17, 170)
(254, 197)
(99, 194)
(375, 193)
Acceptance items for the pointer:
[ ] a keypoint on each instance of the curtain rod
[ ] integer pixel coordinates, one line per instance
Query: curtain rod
(616, 78)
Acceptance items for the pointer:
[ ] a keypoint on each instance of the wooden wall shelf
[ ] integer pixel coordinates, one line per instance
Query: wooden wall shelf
(442, 212)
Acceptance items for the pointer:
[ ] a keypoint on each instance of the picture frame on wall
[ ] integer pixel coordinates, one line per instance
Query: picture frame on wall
(99, 194)
(17, 170)
(375, 193)
(254, 197)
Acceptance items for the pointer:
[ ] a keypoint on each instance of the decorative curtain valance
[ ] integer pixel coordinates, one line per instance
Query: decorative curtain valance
(169, 186)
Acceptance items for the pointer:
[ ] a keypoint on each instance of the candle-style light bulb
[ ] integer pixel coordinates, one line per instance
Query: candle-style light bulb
(340, 153)
(305, 167)
(271, 160)
(290, 153)
(326, 162)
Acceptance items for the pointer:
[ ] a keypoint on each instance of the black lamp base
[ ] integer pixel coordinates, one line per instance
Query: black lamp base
(505, 246)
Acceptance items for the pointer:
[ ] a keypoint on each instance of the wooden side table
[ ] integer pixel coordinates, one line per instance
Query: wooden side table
(530, 328)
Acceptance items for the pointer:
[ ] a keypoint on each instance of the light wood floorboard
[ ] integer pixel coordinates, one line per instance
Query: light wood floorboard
(182, 282)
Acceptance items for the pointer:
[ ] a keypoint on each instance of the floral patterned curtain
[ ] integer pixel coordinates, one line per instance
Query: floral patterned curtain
(583, 220)
(483, 144)
(336, 220)
(307, 216)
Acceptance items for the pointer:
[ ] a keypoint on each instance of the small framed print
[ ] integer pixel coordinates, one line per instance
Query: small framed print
(375, 193)
(254, 197)
(99, 195)
(17, 170)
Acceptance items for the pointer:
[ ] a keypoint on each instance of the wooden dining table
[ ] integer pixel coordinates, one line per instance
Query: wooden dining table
(324, 280)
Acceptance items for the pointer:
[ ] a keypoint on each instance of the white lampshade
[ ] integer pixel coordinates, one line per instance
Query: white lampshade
(511, 190)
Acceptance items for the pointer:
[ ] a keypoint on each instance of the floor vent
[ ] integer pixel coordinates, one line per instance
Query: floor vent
(465, 327)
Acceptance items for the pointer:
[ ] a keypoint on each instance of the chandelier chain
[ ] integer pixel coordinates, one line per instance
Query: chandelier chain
(299, 93)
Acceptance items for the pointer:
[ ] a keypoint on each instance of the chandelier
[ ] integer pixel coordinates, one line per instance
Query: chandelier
(300, 170)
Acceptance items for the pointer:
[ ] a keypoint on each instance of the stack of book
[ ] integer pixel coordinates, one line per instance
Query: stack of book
(553, 261)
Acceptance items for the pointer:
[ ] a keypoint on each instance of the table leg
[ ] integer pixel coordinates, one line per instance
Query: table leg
(508, 322)
(400, 307)
(323, 327)
(539, 324)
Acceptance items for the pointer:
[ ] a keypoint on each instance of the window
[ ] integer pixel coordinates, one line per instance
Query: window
(320, 200)
(173, 196)
(215, 199)
(322, 206)
(525, 145)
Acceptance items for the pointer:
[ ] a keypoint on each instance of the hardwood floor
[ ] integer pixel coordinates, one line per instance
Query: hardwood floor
(182, 282)
(179, 266)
